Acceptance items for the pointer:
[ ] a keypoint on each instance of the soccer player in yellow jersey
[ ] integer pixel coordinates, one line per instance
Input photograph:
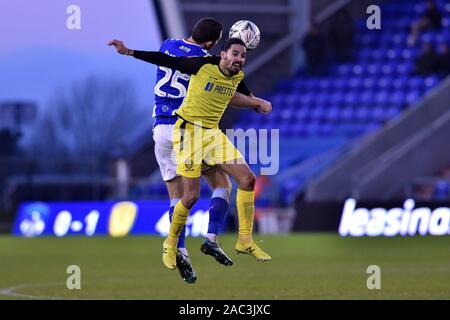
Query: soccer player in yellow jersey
(197, 138)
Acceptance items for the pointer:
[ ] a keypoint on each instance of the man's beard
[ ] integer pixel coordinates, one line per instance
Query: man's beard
(233, 71)
(233, 67)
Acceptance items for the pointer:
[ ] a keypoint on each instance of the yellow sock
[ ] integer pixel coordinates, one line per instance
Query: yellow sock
(180, 215)
(245, 202)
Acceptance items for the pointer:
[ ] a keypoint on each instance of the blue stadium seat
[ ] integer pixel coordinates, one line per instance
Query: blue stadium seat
(446, 22)
(415, 83)
(324, 84)
(354, 82)
(399, 39)
(368, 82)
(381, 97)
(397, 97)
(301, 114)
(346, 114)
(277, 100)
(412, 97)
(312, 84)
(403, 68)
(287, 114)
(365, 54)
(307, 100)
(403, 23)
(269, 124)
(298, 129)
(384, 83)
(419, 8)
(322, 98)
(312, 128)
(325, 129)
(377, 54)
(373, 69)
(400, 82)
(373, 126)
(407, 54)
(337, 97)
(367, 38)
(291, 100)
(377, 114)
(366, 97)
(344, 69)
(431, 81)
(392, 113)
(362, 114)
(332, 114)
(357, 70)
(357, 97)
(284, 85)
(350, 98)
(388, 69)
(298, 85)
(317, 113)
(394, 53)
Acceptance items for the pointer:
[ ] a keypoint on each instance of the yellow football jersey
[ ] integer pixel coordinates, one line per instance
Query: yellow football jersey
(208, 95)
(209, 91)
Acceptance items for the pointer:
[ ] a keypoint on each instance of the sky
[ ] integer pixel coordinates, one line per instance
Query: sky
(39, 54)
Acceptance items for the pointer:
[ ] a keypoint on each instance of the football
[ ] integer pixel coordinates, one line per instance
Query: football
(247, 31)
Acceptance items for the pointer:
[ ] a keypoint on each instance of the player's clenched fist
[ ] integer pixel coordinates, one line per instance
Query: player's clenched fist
(120, 47)
(264, 106)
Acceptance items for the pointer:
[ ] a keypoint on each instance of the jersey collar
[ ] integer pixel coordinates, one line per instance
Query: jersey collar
(192, 44)
(230, 76)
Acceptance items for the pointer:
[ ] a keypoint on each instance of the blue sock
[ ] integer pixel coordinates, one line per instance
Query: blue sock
(173, 202)
(218, 210)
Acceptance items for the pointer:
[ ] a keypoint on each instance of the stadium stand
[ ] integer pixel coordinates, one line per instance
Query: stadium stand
(357, 97)
(321, 117)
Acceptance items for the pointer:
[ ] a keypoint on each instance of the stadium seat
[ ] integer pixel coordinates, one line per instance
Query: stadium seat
(377, 114)
(370, 90)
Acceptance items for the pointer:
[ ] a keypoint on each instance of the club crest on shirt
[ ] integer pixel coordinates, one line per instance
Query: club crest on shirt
(188, 164)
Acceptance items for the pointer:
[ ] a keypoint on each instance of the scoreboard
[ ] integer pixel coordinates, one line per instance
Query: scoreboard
(116, 219)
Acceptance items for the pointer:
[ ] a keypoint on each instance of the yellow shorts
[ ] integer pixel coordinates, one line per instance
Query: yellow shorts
(196, 147)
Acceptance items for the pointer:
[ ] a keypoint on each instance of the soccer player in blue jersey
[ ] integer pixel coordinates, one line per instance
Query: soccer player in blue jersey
(170, 90)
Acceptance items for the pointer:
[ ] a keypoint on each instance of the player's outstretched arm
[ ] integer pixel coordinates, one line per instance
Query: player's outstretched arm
(264, 106)
(188, 65)
(240, 100)
(121, 48)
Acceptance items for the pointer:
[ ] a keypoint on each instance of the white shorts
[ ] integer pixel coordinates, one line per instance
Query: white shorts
(163, 137)
(164, 153)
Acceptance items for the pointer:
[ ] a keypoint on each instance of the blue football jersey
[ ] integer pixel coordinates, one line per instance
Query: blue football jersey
(171, 85)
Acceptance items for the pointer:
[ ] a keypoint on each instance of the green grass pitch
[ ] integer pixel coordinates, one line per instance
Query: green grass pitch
(303, 266)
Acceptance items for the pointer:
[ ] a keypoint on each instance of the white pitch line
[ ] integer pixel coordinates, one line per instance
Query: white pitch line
(12, 291)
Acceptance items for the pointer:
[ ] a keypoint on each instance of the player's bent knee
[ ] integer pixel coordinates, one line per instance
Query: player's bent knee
(247, 181)
(189, 200)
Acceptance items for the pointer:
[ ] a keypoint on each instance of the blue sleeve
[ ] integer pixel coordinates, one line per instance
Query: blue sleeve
(164, 45)
(200, 52)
